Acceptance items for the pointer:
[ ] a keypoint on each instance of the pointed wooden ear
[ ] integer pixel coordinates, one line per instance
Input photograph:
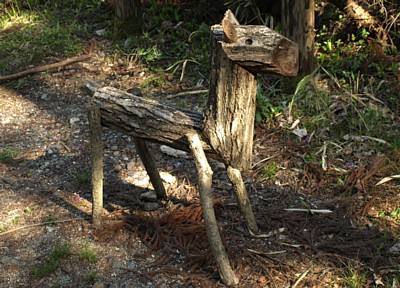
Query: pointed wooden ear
(230, 33)
(231, 17)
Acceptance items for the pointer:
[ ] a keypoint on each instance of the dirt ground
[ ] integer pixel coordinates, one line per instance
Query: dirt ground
(46, 202)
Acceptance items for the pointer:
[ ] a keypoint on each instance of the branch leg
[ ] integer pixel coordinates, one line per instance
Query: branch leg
(242, 198)
(151, 168)
(97, 165)
(205, 180)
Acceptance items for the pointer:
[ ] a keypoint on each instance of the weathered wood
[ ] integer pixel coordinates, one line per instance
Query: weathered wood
(151, 168)
(243, 199)
(260, 50)
(229, 120)
(204, 171)
(148, 120)
(97, 165)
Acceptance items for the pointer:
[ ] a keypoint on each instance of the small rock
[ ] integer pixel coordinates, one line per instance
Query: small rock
(99, 285)
(177, 165)
(218, 166)
(173, 152)
(168, 178)
(117, 264)
(131, 165)
(131, 266)
(44, 96)
(50, 229)
(395, 249)
(100, 32)
(149, 196)
(151, 206)
(118, 167)
(114, 147)
(73, 120)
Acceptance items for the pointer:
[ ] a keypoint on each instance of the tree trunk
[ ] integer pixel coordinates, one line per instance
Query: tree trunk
(128, 18)
(298, 19)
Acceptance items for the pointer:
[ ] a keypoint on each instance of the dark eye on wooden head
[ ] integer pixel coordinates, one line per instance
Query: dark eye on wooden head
(248, 41)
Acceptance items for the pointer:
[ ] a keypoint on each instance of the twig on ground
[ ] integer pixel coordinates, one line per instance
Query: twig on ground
(44, 68)
(40, 224)
(304, 274)
(323, 211)
(186, 93)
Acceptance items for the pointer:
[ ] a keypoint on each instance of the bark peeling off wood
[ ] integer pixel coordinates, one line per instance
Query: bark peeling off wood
(260, 50)
(149, 120)
(230, 112)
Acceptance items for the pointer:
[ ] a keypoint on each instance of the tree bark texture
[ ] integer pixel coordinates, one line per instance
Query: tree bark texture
(258, 49)
(204, 171)
(298, 18)
(97, 165)
(229, 123)
(128, 18)
(151, 168)
(148, 120)
(243, 199)
(229, 120)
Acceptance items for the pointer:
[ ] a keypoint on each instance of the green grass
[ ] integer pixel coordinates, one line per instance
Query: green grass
(353, 278)
(30, 34)
(269, 171)
(8, 155)
(58, 253)
(87, 253)
(83, 177)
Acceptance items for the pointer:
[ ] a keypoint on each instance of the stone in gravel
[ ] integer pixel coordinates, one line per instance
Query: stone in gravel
(131, 266)
(151, 206)
(118, 167)
(131, 165)
(167, 177)
(50, 229)
(114, 147)
(99, 285)
(117, 264)
(173, 152)
(149, 196)
(73, 120)
(395, 249)
(218, 166)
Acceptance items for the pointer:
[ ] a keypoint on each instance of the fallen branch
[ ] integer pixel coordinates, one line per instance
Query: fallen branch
(323, 211)
(44, 68)
(187, 93)
(39, 224)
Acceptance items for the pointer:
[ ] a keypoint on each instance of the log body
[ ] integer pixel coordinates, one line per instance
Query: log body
(148, 120)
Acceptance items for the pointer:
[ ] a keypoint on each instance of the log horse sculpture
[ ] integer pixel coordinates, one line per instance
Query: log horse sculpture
(224, 131)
